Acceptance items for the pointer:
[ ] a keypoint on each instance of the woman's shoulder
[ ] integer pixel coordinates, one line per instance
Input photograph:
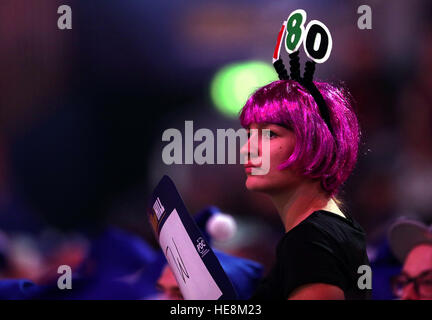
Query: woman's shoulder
(336, 226)
(323, 248)
(325, 229)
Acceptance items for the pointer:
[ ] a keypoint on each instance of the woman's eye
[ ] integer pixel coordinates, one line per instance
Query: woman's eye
(268, 134)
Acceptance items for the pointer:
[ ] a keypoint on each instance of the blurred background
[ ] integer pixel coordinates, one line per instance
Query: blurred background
(82, 113)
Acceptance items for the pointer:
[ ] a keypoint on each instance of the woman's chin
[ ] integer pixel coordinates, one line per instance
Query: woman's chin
(254, 183)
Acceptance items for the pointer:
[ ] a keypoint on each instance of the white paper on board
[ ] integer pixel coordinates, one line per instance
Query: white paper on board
(195, 281)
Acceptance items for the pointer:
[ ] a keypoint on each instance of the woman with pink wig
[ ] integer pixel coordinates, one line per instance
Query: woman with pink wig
(313, 144)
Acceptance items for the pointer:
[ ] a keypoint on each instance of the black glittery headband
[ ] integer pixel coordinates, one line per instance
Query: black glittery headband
(306, 82)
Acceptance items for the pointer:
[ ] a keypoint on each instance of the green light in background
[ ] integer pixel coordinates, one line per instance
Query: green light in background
(233, 84)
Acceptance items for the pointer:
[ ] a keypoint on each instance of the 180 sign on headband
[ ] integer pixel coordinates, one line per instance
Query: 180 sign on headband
(316, 37)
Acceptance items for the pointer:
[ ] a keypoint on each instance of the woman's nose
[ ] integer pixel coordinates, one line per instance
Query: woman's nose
(251, 147)
(244, 149)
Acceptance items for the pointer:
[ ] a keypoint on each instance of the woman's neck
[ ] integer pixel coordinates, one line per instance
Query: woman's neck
(295, 205)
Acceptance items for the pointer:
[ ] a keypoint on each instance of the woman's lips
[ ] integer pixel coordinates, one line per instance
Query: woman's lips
(248, 167)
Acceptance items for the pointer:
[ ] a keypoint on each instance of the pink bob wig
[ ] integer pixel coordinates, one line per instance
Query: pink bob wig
(318, 154)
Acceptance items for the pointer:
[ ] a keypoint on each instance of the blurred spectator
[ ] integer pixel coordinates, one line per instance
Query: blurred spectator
(244, 275)
(411, 242)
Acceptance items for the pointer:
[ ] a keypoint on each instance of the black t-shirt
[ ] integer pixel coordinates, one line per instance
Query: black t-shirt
(323, 248)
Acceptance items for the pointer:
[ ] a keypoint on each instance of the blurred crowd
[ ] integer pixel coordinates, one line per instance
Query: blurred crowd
(82, 113)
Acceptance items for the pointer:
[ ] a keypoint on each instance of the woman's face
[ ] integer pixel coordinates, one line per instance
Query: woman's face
(281, 145)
